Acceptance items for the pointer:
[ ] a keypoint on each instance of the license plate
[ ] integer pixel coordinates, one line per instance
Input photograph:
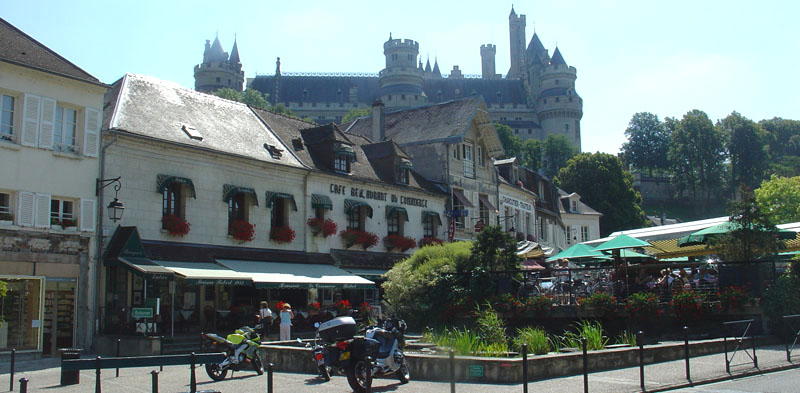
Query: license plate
(345, 356)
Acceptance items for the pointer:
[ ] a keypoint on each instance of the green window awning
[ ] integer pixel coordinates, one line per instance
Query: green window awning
(400, 210)
(164, 181)
(321, 201)
(344, 150)
(350, 204)
(296, 275)
(435, 215)
(146, 268)
(406, 164)
(205, 273)
(228, 191)
(272, 196)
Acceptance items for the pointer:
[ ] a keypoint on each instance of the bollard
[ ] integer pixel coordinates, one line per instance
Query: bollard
(269, 377)
(154, 374)
(725, 346)
(641, 360)
(452, 371)
(192, 378)
(97, 376)
(368, 379)
(585, 366)
(23, 385)
(686, 352)
(13, 355)
(117, 373)
(161, 352)
(755, 358)
(525, 368)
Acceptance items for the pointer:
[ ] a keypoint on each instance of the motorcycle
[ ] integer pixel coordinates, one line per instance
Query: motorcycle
(240, 349)
(349, 355)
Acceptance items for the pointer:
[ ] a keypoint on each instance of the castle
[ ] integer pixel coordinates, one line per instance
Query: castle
(536, 98)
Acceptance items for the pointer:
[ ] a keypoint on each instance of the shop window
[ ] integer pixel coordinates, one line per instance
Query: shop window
(429, 226)
(355, 219)
(484, 213)
(458, 206)
(237, 210)
(21, 309)
(394, 224)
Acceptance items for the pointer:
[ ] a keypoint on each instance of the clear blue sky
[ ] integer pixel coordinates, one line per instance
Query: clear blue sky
(665, 57)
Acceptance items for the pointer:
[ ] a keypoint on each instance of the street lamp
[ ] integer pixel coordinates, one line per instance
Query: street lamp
(115, 208)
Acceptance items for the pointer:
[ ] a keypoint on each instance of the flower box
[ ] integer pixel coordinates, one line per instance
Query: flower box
(282, 234)
(242, 231)
(322, 227)
(352, 237)
(175, 226)
(430, 241)
(400, 242)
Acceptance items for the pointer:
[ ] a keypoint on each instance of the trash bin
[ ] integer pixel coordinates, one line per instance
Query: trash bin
(70, 377)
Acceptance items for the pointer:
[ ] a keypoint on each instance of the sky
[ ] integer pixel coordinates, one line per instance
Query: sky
(663, 57)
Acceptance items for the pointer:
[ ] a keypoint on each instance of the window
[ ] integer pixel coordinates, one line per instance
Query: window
(172, 202)
(469, 168)
(458, 206)
(341, 163)
(218, 79)
(319, 213)
(403, 175)
(584, 234)
(7, 117)
(65, 127)
(428, 226)
(529, 131)
(393, 224)
(237, 210)
(61, 211)
(484, 213)
(574, 206)
(5, 207)
(355, 219)
(508, 218)
(528, 224)
(542, 233)
(568, 233)
(279, 213)
(456, 150)
(556, 81)
(516, 131)
(480, 156)
(558, 99)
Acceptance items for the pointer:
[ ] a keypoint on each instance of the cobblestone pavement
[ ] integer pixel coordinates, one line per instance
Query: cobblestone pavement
(44, 377)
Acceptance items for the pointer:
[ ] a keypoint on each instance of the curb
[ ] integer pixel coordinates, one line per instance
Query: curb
(725, 378)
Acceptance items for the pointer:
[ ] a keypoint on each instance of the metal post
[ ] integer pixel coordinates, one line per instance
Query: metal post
(368, 380)
(452, 371)
(269, 377)
(525, 368)
(161, 352)
(641, 360)
(585, 366)
(13, 356)
(725, 345)
(118, 341)
(154, 374)
(755, 358)
(686, 352)
(97, 376)
(192, 378)
(23, 385)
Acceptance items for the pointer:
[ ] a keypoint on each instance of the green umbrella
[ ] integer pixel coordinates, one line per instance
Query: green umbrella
(575, 252)
(632, 254)
(704, 236)
(622, 241)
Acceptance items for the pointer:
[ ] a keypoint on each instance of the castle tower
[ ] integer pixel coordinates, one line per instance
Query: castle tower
(401, 80)
(219, 70)
(516, 30)
(558, 107)
(488, 53)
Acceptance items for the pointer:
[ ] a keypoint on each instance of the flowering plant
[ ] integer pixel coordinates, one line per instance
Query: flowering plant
(342, 306)
(324, 227)
(733, 298)
(242, 231)
(539, 304)
(362, 238)
(282, 234)
(365, 308)
(507, 303)
(690, 305)
(399, 242)
(175, 225)
(430, 241)
(642, 305)
(603, 302)
(314, 306)
(69, 222)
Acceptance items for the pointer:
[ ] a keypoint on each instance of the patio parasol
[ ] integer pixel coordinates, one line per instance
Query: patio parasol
(704, 236)
(622, 241)
(577, 251)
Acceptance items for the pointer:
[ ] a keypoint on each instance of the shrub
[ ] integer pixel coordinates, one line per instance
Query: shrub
(282, 234)
(603, 302)
(322, 227)
(491, 327)
(463, 342)
(627, 338)
(314, 306)
(539, 304)
(430, 241)
(733, 298)
(507, 303)
(174, 225)
(780, 298)
(642, 305)
(242, 231)
(399, 242)
(537, 339)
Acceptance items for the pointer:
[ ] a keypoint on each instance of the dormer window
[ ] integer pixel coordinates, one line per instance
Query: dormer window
(342, 156)
(403, 171)
(574, 206)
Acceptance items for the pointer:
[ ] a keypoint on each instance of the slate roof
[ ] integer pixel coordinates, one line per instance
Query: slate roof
(557, 59)
(565, 207)
(535, 48)
(156, 109)
(18, 48)
(385, 149)
(550, 201)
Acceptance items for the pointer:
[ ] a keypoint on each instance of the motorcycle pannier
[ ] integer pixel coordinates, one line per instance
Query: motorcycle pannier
(364, 346)
(338, 329)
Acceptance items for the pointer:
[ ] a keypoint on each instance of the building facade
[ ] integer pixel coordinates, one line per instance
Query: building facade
(581, 222)
(49, 147)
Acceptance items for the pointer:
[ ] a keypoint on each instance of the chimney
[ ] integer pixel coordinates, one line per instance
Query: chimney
(378, 122)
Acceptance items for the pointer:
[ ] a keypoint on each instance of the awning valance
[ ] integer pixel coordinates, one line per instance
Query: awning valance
(163, 181)
(485, 201)
(321, 202)
(461, 197)
(391, 209)
(350, 204)
(272, 196)
(367, 272)
(435, 215)
(146, 268)
(228, 191)
(205, 273)
(344, 150)
(296, 275)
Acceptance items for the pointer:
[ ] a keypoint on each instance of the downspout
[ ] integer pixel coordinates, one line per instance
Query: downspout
(497, 190)
(98, 256)
(449, 188)
(305, 210)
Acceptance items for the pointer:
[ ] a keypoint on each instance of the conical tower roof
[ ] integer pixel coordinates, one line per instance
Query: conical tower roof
(215, 53)
(235, 54)
(428, 65)
(436, 68)
(557, 59)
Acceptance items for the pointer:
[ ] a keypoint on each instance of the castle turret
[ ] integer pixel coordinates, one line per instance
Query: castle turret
(488, 53)
(218, 70)
(559, 108)
(516, 29)
(401, 80)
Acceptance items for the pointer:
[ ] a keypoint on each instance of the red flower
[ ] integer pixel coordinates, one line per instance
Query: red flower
(430, 241)
(323, 227)
(175, 225)
(282, 234)
(314, 306)
(242, 231)
(399, 242)
(362, 238)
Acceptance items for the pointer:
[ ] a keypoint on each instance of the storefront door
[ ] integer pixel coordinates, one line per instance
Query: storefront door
(59, 315)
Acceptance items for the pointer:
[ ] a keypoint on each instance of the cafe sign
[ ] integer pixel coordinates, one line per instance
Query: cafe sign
(204, 281)
(363, 193)
(507, 200)
(142, 312)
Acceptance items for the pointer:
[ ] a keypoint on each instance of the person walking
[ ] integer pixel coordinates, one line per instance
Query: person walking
(265, 318)
(286, 322)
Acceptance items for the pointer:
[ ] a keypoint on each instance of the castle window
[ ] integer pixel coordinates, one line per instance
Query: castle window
(229, 82)
(556, 81)
(516, 131)
(402, 96)
(314, 104)
(409, 57)
(545, 100)
(529, 131)
(557, 99)
(218, 80)
(570, 99)
(566, 126)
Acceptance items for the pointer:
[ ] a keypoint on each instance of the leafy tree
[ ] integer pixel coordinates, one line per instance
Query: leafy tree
(229, 94)
(779, 198)
(531, 156)
(746, 149)
(255, 99)
(495, 250)
(780, 133)
(648, 143)
(512, 145)
(787, 166)
(697, 154)
(528, 152)
(755, 235)
(604, 185)
(355, 113)
(557, 151)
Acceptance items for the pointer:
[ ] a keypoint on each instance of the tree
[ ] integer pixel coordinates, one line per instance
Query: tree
(755, 235)
(779, 198)
(495, 250)
(355, 113)
(528, 152)
(531, 156)
(557, 150)
(697, 153)
(607, 187)
(229, 94)
(255, 99)
(780, 133)
(746, 149)
(648, 143)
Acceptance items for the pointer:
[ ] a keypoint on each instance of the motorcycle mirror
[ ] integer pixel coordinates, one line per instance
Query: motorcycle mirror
(316, 324)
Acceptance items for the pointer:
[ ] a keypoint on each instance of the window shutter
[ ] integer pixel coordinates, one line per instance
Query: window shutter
(92, 133)
(47, 123)
(26, 208)
(30, 120)
(42, 211)
(88, 215)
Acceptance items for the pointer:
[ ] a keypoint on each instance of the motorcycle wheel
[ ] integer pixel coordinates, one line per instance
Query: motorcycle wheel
(324, 373)
(403, 374)
(357, 376)
(215, 373)
(257, 364)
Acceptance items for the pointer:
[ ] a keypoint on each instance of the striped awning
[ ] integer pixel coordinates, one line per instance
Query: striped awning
(400, 210)
(435, 215)
(228, 191)
(406, 164)
(321, 202)
(485, 201)
(350, 204)
(164, 181)
(272, 196)
(345, 150)
(459, 194)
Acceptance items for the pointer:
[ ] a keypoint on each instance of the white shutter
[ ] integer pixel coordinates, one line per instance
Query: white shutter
(92, 132)
(27, 207)
(88, 214)
(42, 211)
(30, 120)
(47, 123)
